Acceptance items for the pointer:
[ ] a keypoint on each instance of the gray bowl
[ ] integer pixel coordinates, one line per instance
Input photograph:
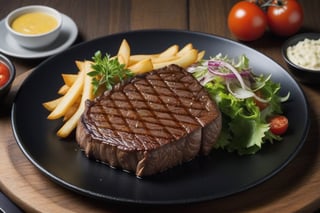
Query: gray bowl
(304, 75)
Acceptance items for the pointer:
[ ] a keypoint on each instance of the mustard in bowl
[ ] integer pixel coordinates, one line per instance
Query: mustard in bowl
(34, 26)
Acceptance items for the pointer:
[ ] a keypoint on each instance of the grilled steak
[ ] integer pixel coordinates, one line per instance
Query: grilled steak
(150, 123)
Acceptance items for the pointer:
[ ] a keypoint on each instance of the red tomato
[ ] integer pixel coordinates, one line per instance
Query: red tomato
(279, 124)
(285, 17)
(247, 21)
(4, 74)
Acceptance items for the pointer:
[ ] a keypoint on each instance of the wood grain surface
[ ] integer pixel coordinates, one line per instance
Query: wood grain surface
(294, 189)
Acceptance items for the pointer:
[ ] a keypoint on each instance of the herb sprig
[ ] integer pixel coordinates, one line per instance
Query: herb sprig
(107, 72)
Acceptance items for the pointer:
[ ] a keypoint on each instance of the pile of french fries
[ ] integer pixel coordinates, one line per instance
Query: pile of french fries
(78, 88)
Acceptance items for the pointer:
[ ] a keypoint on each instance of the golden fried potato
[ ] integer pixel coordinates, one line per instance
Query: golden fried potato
(124, 52)
(142, 66)
(87, 94)
(200, 55)
(70, 112)
(69, 98)
(69, 79)
(171, 51)
(188, 58)
(63, 90)
(51, 105)
(185, 49)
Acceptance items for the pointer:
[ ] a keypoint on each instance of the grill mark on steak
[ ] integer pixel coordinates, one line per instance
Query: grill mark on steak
(167, 102)
(151, 97)
(150, 100)
(150, 123)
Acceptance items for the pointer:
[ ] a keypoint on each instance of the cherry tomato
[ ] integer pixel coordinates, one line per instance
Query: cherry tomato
(279, 124)
(247, 21)
(4, 74)
(285, 17)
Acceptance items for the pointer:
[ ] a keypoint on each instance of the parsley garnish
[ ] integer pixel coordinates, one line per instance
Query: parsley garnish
(107, 71)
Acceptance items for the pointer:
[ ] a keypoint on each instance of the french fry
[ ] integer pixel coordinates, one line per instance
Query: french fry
(124, 52)
(87, 94)
(184, 61)
(167, 56)
(200, 55)
(136, 58)
(164, 59)
(63, 90)
(69, 79)
(79, 65)
(71, 110)
(185, 49)
(51, 105)
(142, 66)
(121, 59)
(156, 58)
(69, 98)
(171, 51)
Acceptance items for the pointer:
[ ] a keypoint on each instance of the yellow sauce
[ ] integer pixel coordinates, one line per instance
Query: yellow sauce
(34, 23)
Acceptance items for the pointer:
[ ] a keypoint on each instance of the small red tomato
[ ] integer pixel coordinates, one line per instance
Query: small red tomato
(279, 124)
(247, 21)
(285, 17)
(4, 74)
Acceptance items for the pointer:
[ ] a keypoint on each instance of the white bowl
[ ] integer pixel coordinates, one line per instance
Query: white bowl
(34, 41)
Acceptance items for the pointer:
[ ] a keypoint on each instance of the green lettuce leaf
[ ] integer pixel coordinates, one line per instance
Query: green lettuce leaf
(245, 128)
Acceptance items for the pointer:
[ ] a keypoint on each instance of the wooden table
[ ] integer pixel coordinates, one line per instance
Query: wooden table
(295, 188)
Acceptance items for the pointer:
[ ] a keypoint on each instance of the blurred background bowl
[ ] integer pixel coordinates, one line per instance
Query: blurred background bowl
(303, 74)
(34, 41)
(12, 71)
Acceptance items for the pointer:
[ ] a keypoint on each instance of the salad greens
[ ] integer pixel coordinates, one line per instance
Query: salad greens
(238, 93)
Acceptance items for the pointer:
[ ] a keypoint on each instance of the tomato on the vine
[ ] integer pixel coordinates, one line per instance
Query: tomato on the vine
(4, 74)
(285, 17)
(279, 124)
(247, 21)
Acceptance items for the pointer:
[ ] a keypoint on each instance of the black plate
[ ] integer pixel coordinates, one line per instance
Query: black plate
(218, 175)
